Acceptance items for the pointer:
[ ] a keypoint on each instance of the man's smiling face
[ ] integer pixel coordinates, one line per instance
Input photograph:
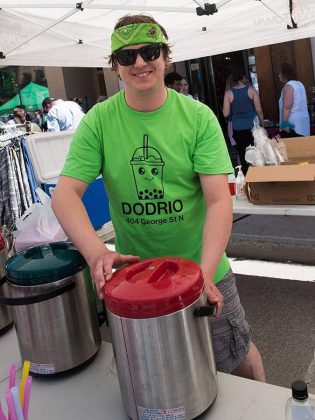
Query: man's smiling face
(142, 75)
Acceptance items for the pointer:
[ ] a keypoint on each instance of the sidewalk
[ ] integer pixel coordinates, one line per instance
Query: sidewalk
(274, 238)
(281, 313)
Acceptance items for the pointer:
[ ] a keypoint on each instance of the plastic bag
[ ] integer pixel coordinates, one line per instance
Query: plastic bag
(38, 225)
(263, 152)
(254, 156)
(269, 153)
(280, 149)
(260, 134)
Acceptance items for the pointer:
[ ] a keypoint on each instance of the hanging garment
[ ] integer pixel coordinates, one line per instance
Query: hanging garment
(30, 172)
(15, 196)
(22, 181)
(6, 211)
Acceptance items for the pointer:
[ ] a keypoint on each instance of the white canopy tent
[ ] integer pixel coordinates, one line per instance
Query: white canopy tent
(67, 33)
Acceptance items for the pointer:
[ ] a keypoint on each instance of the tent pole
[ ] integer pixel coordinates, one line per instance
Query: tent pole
(18, 85)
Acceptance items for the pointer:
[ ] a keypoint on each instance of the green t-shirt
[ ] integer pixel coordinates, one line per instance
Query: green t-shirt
(150, 163)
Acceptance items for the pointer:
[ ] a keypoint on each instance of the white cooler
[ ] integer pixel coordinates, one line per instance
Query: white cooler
(48, 153)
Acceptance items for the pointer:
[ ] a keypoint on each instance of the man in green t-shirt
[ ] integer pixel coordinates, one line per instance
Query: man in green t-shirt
(164, 163)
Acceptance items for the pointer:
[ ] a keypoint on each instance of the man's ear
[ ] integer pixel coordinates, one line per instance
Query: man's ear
(168, 66)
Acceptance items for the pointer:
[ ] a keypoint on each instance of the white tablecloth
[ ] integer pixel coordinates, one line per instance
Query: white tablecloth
(93, 392)
(242, 206)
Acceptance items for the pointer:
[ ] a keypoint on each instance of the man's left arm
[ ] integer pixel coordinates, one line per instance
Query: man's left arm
(216, 231)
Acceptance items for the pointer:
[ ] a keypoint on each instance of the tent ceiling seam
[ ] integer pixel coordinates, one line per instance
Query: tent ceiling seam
(224, 3)
(45, 29)
(199, 4)
(100, 7)
(78, 8)
(57, 32)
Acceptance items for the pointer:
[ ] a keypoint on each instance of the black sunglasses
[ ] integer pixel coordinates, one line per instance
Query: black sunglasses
(148, 53)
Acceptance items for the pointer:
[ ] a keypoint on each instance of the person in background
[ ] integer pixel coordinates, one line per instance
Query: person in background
(37, 117)
(20, 119)
(185, 88)
(7, 118)
(293, 112)
(157, 149)
(28, 116)
(61, 115)
(229, 82)
(40, 119)
(19, 116)
(228, 86)
(242, 104)
(173, 80)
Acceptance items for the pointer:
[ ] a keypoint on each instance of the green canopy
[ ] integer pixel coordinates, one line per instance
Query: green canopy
(31, 96)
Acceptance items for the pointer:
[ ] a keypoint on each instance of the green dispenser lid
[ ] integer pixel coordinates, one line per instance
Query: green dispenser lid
(44, 264)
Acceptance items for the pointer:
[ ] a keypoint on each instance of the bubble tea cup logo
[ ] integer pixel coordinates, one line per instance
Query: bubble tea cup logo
(147, 167)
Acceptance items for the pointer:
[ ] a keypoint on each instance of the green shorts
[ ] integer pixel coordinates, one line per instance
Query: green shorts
(231, 333)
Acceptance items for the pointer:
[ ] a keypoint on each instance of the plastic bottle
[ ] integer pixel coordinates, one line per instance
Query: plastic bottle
(28, 126)
(231, 179)
(239, 184)
(300, 406)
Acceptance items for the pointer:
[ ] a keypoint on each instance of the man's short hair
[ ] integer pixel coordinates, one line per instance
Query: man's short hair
(47, 101)
(171, 78)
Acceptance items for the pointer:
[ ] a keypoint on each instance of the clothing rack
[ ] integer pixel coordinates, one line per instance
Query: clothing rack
(10, 132)
(16, 190)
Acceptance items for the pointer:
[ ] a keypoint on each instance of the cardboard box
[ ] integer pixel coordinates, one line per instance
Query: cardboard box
(291, 183)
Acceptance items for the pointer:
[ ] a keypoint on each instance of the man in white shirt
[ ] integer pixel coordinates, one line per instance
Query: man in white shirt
(62, 115)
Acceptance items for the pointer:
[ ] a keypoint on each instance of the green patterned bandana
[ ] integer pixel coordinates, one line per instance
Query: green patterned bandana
(137, 33)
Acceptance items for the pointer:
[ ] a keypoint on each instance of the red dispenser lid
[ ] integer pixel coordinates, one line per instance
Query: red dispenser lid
(1, 243)
(153, 287)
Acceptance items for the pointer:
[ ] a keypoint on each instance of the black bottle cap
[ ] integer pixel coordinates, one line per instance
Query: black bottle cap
(299, 390)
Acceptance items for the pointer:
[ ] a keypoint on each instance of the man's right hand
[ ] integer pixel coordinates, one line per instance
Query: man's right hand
(102, 264)
(214, 297)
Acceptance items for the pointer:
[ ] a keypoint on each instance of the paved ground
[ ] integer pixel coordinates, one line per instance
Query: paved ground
(274, 238)
(282, 312)
(282, 316)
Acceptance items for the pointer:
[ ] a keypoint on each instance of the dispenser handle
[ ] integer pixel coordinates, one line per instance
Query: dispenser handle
(202, 311)
(41, 297)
